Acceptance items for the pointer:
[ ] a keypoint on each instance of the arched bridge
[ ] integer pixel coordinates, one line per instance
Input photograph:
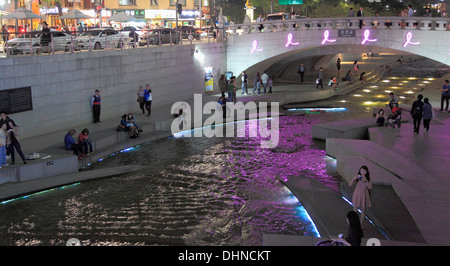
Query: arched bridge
(248, 45)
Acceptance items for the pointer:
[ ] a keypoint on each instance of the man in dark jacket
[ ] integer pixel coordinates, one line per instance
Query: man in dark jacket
(416, 112)
(360, 14)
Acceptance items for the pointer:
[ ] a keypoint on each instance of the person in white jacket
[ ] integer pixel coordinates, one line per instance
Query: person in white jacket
(3, 145)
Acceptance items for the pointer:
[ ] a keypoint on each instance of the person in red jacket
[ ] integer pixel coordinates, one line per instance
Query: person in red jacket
(85, 142)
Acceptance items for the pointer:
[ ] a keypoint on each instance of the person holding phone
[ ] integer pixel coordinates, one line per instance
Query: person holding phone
(362, 195)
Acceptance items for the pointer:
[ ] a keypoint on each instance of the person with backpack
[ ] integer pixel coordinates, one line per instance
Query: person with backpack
(416, 113)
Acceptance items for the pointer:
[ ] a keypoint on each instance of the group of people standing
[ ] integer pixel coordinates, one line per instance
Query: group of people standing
(231, 88)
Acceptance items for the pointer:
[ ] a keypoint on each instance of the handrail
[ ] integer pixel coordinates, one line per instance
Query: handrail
(119, 42)
(409, 23)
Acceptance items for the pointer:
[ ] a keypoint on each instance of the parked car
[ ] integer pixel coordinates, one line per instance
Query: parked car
(26, 42)
(99, 38)
(186, 30)
(163, 34)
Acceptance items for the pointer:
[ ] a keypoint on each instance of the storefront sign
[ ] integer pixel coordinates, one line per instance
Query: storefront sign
(159, 14)
(92, 13)
(52, 10)
(189, 14)
(137, 13)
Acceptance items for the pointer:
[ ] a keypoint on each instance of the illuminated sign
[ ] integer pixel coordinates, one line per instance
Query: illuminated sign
(408, 40)
(159, 13)
(366, 37)
(326, 39)
(255, 47)
(289, 41)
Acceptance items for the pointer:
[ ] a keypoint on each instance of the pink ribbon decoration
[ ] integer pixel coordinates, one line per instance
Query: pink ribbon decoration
(408, 40)
(289, 41)
(366, 37)
(326, 34)
(255, 47)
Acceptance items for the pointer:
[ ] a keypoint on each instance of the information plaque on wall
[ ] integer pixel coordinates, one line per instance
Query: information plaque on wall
(16, 100)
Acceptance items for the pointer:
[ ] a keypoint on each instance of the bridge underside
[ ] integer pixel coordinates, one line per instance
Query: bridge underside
(313, 58)
(258, 51)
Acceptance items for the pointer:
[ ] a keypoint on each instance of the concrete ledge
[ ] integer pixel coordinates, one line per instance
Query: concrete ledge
(39, 168)
(13, 190)
(347, 129)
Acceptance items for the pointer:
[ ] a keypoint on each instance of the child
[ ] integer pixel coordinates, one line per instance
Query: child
(3, 145)
(395, 118)
(270, 83)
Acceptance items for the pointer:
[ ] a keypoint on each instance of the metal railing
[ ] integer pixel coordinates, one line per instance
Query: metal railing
(384, 23)
(28, 44)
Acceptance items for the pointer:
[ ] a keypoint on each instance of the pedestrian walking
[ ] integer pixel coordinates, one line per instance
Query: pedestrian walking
(417, 112)
(445, 96)
(270, 84)
(319, 80)
(3, 136)
(427, 114)
(148, 99)
(232, 90)
(338, 66)
(264, 80)
(141, 99)
(360, 14)
(46, 37)
(223, 84)
(244, 83)
(257, 83)
(362, 194)
(410, 11)
(5, 34)
(96, 106)
(355, 68)
(351, 12)
(301, 70)
(12, 142)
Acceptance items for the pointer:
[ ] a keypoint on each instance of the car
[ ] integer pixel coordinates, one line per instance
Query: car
(165, 35)
(208, 32)
(101, 39)
(187, 29)
(139, 30)
(28, 41)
